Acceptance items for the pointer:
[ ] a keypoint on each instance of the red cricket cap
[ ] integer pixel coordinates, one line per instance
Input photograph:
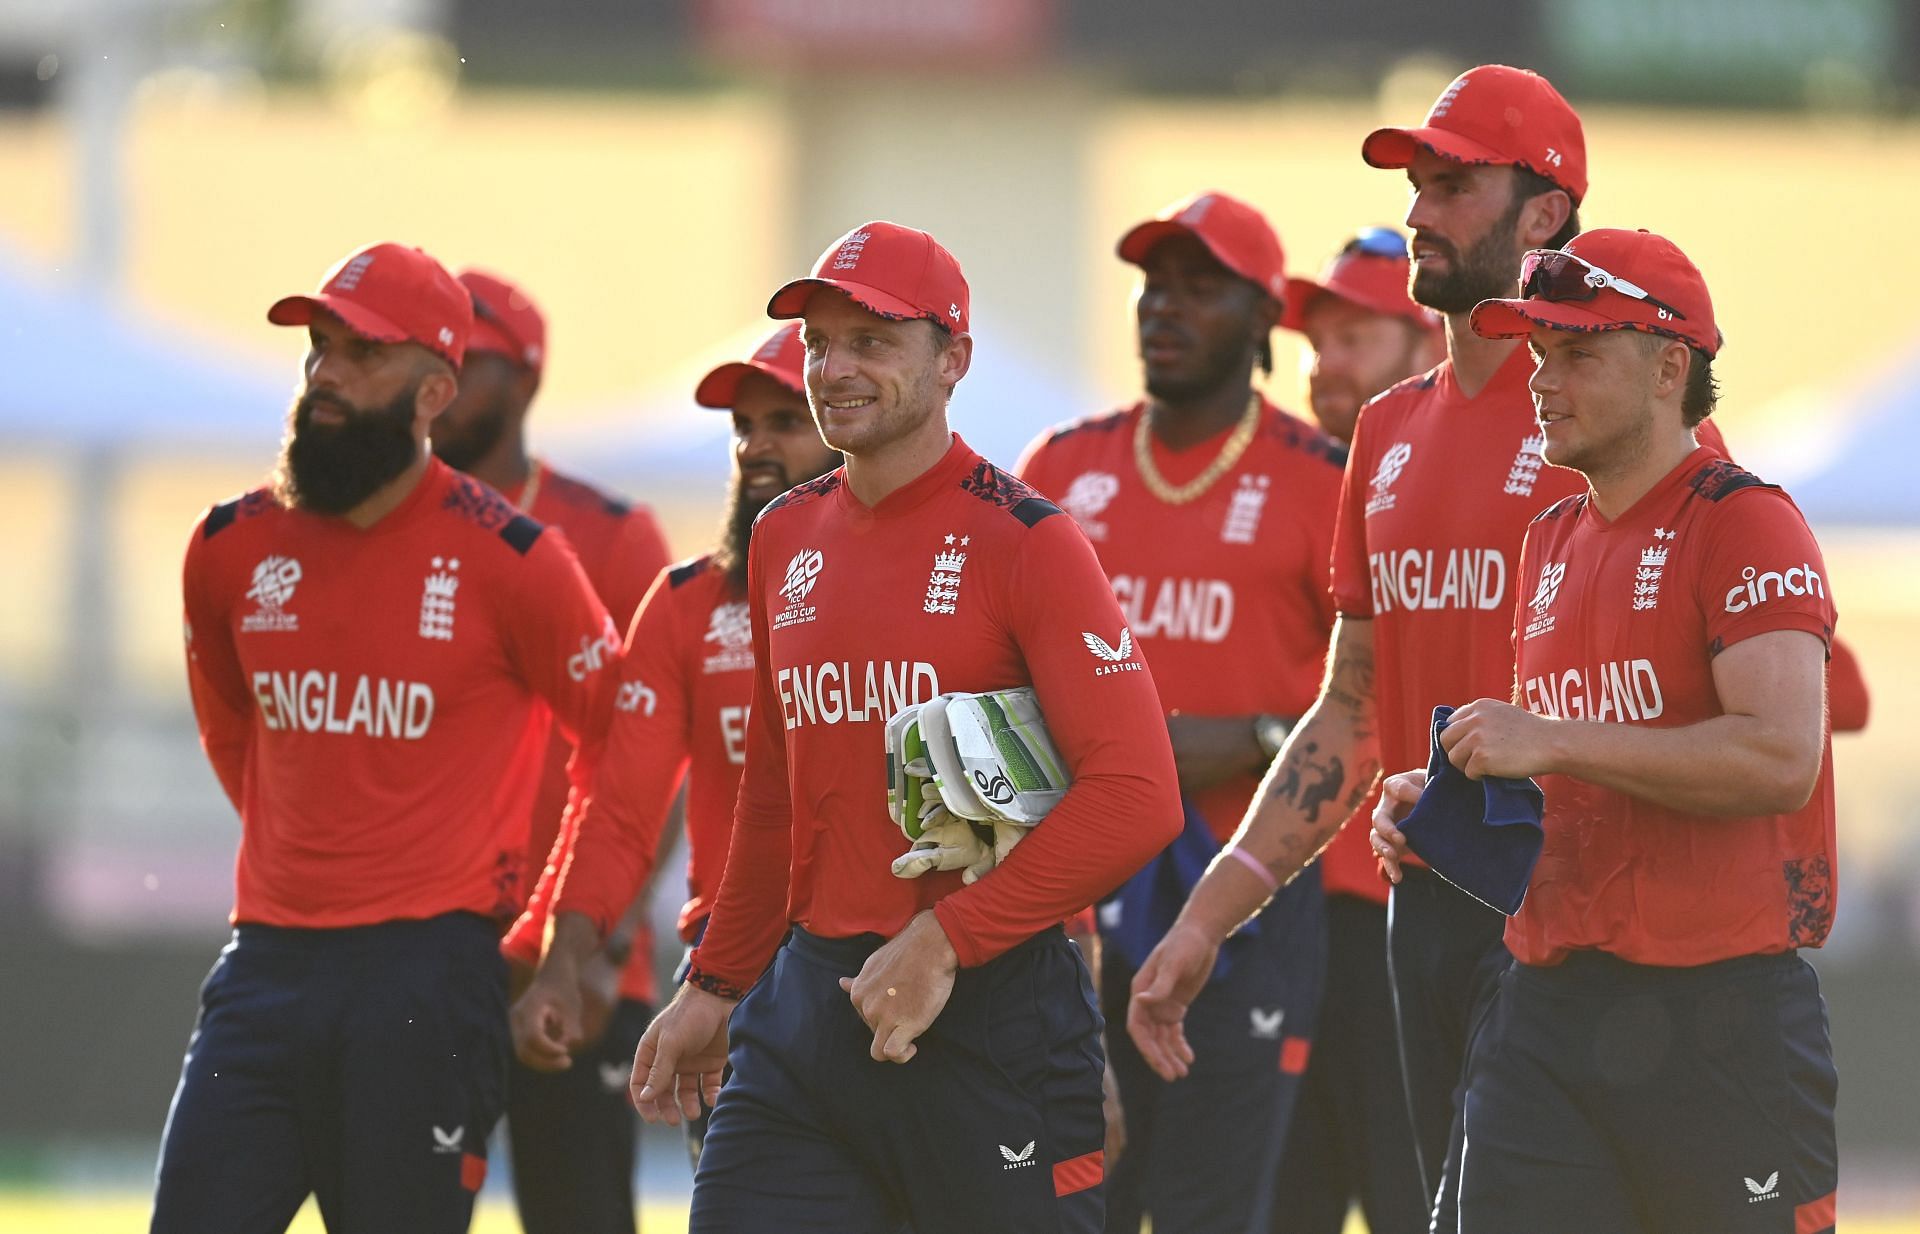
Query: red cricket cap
(1653, 263)
(1363, 274)
(782, 357)
(887, 269)
(390, 293)
(506, 321)
(1238, 236)
(1495, 114)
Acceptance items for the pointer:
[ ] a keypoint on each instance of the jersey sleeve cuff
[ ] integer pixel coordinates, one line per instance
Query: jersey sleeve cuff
(713, 983)
(1740, 632)
(966, 948)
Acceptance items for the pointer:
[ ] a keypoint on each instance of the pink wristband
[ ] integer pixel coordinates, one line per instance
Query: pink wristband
(1253, 863)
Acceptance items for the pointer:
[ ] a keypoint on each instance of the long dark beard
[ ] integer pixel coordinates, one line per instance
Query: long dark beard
(331, 468)
(460, 449)
(736, 526)
(1486, 271)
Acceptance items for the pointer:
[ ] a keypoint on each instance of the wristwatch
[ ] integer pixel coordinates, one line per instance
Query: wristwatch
(1271, 732)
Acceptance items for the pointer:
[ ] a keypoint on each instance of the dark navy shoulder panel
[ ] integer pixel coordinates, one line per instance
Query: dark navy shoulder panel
(521, 532)
(488, 510)
(1009, 492)
(687, 571)
(1720, 478)
(227, 513)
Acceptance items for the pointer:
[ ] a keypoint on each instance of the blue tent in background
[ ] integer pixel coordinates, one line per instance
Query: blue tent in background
(1862, 475)
(76, 369)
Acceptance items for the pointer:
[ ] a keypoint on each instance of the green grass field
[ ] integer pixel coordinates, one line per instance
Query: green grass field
(42, 1213)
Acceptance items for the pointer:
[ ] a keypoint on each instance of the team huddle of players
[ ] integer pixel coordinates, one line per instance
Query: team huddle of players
(407, 663)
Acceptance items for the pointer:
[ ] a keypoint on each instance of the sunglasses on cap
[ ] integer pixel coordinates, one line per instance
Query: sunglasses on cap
(1550, 274)
(1376, 242)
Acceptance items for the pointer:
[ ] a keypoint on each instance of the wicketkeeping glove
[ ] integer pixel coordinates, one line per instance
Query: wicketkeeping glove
(985, 758)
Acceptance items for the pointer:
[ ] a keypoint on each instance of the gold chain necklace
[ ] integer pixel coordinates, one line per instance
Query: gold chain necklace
(1230, 452)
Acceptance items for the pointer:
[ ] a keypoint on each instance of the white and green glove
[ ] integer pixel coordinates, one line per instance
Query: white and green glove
(968, 774)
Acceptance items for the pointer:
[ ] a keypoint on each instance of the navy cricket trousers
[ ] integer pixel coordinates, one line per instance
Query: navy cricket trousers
(1351, 1137)
(1444, 952)
(1203, 1153)
(1605, 1097)
(995, 1125)
(573, 1136)
(364, 1066)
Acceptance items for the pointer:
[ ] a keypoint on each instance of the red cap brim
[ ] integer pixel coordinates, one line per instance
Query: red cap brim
(1136, 244)
(791, 301)
(720, 388)
(298, 311)
(1517, 318)
(1392, 148)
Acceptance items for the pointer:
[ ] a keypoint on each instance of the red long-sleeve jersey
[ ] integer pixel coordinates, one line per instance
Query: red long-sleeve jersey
(1227, 593)
(376, 702)
(963, 579)
(621, 548)
(686, 680)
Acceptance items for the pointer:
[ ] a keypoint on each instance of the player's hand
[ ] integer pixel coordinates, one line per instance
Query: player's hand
(1491, 738)
(903, 987)
(1397, 795)
(1163, 989)
(546, 1019)
(681, 1058)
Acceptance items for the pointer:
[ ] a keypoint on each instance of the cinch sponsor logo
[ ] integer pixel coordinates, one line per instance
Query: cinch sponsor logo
(1757, 588)
(1463, 578)
(1616, 691)
(312, 702)
(1200, 609)
(636, 695)
(593, 653)
(840, 692)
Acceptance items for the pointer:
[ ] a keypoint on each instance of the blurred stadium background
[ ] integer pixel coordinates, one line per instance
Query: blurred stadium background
(649, 171)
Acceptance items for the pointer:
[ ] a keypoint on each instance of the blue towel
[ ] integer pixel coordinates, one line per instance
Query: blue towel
(1483, 836)
(1137, 916)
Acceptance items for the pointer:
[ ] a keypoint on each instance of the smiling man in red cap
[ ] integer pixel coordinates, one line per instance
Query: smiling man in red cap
(375, 644)
(1212, 511)
(573, 1131)
(1366, 332)
(1656, 1056)
(919, 1051)
(686, 681)
(1443, 475)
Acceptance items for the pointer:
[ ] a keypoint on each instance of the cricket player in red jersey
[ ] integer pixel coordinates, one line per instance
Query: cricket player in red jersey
(572, 1133)
(686, 681)
(1365, 331)
(1212, 511)
(1443, 474)
(1655, 1058)
(920, 1053)
(376, 645)
(1351, 1139)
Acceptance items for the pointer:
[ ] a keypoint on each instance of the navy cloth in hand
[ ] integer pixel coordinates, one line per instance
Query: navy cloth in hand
(1483, 836)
